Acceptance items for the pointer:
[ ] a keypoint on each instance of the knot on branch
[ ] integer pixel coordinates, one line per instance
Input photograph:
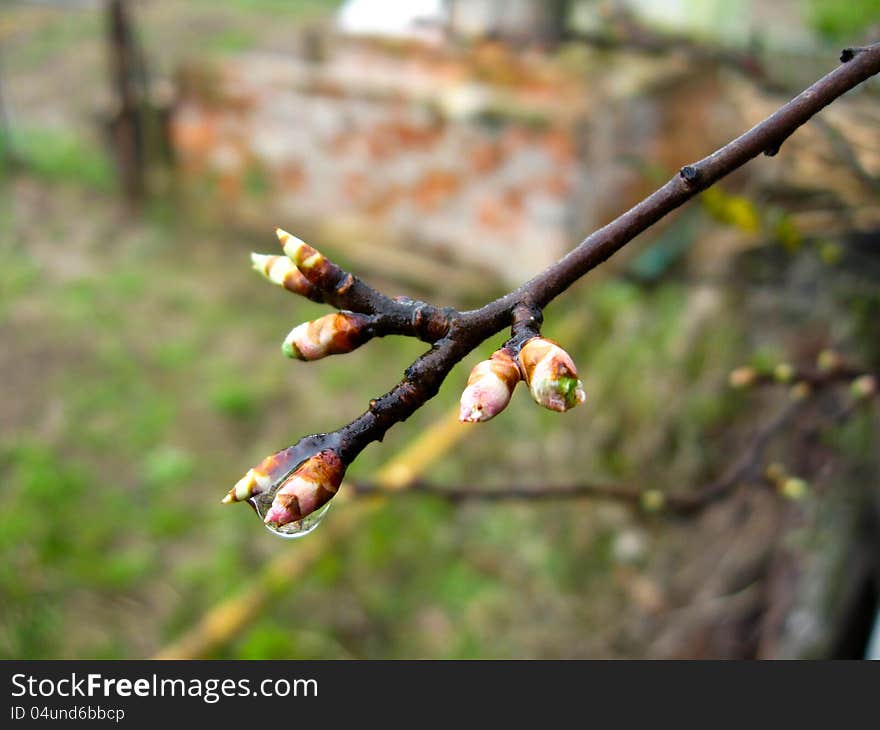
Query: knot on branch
(429, 323)
(848, 54)
(691, 175)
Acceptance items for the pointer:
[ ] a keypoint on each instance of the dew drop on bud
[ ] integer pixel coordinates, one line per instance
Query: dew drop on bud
(291, 530)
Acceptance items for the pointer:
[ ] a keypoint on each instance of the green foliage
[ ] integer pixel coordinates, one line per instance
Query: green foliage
(843, 21)
(231, 40)
(237, 400)
(733, 210)
(59, 156)
(166, 467)
(299, 10)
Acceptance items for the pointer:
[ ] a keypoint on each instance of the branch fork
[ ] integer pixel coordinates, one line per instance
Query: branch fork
(302, 477)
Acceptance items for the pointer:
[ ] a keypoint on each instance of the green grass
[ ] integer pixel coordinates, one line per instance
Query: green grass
(151, 437)
(290, 9)
(157, 381)
(842, 22)
(58, 34)
(231, 40)
(148, 377)
(58, 156)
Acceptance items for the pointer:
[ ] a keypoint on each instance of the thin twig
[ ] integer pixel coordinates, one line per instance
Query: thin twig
(624, 32)
(742, 470)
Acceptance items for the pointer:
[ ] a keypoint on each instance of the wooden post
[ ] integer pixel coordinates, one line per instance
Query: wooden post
(126, 124)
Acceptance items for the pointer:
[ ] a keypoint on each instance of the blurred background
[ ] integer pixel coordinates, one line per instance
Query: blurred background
(447, 151)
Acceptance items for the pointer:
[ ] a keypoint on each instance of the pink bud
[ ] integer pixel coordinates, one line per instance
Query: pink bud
(489, 387)
(311, 486)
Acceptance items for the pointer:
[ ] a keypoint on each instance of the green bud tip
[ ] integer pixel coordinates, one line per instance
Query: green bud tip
(864, 386)
(652, 500)
(291, 350)
(572, 391)
(794, 488)
(829, 360)
(783, 373)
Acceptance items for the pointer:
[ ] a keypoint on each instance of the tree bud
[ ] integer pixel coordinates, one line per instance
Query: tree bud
(829, 361)
(310, 487)
(742, 377)
(863, 386)
(282, 271)
(550, 374)
(333, 334)
(316, 267)
(652, 500)
(489, 387)
(262, 476)
(794, 488)
(783, 373)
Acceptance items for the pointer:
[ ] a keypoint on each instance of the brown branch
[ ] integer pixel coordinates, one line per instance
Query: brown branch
(454, 334)
(744, 469)
(509, 492)
(815, 378)
(624, 32)
(746, 466)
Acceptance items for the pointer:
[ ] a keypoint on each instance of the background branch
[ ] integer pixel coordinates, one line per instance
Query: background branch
(746, 467)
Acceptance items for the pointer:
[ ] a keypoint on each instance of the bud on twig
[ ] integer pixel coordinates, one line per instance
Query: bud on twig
(332, 334)
(742, 377)
(316, 267)
(310, 487)
(800, 391)
(863, 386)
(788, 486)
(652, 500)
(489, 387)
(775, 473)
(282, 271)
(783, 373)
(829, 361)
(550, 374)
(793, 488)
(262, 476)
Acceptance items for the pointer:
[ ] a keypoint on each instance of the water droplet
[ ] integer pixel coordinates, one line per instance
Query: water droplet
(291, 530)
(283, 464)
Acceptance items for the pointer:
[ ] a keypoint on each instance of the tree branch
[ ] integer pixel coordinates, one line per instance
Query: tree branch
(454, 334)
(746, 467)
